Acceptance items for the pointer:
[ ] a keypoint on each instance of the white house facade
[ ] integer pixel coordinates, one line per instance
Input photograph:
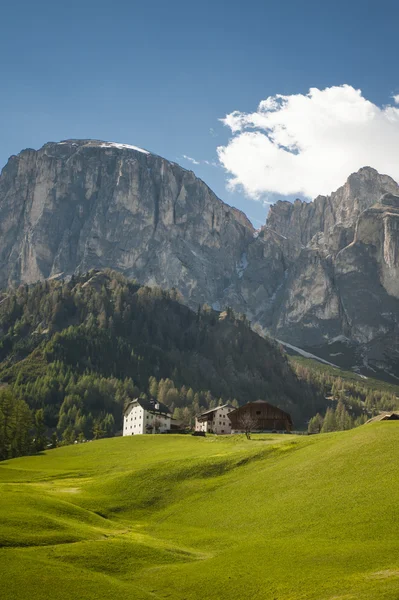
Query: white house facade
(215, 420)
(146, 416)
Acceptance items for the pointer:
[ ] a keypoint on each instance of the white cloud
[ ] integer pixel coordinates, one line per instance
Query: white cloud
(309, 144)
(396, 98)
(209, 163)
(192, 160)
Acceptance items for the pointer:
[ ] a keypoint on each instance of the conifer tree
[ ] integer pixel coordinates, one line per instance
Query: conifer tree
(315, 424)
(40, 430)
(329, 423)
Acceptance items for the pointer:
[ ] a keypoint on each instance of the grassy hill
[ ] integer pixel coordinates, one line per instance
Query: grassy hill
(276, 517)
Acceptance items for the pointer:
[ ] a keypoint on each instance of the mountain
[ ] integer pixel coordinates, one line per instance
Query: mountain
(80, 204)
(319, 275)
(341, 292)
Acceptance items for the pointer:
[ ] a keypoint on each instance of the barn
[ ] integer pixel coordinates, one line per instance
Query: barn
(264, 417)
(385, 416)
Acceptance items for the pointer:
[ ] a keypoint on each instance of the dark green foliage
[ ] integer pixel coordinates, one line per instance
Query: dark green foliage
(77, 351)
(40, 440)
(15, 425)
(350, 400)
(315, 424)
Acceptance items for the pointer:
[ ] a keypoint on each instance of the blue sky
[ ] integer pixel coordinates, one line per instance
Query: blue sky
(161, 74)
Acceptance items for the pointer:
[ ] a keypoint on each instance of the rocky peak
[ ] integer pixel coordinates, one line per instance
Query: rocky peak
(81, 204)
(333, 217)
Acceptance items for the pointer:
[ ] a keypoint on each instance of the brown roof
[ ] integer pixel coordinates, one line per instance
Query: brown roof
(263, 402)
(385, 416)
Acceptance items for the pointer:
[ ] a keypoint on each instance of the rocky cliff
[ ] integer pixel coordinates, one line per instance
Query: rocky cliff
(341, 292)
(329, 221)
(321, 274)
(75, 205)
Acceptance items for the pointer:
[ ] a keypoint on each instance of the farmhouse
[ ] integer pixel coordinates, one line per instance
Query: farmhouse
(385, 416)
(214, 420)
(265, 417)
(146, 416)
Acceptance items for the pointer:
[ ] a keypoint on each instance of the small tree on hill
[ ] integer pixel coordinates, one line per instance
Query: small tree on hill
(247, 424)
(98, 431)
(186, 419)
(315, 424)
(40, 431)
(330, 421)
(156, 424)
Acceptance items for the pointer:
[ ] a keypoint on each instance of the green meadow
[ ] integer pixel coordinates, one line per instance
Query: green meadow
(180, 517)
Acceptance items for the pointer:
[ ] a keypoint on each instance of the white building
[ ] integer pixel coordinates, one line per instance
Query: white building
(215, 420)
(146, 416)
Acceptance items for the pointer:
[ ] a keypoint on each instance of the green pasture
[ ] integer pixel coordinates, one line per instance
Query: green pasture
(277, 517)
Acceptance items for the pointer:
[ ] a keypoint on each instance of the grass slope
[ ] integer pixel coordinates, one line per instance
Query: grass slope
(277, 517)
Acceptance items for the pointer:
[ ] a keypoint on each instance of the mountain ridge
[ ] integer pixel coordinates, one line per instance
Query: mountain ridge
(81, 204)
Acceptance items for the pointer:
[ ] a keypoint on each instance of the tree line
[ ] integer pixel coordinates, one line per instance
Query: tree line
(76, 351)
(349, 403)
(73, 353)
(92, 408)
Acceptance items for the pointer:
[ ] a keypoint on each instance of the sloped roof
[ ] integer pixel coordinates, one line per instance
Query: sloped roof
(385, 416)
(283, 412)
(151, 405)
(211, 410)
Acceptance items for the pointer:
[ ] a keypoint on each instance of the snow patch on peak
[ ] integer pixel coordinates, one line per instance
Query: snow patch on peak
(122, 147)
(100, 144)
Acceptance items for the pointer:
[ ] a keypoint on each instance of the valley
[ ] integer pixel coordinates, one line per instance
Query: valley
(199, 300)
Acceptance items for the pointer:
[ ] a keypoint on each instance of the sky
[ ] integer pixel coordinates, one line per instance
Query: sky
(262, 100)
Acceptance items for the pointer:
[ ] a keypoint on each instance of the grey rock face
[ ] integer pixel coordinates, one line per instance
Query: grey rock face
(329, 221)
(344, 284)
(76, 205)
(315, 273)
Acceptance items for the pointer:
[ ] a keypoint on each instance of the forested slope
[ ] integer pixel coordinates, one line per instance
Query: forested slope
(75, 351)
